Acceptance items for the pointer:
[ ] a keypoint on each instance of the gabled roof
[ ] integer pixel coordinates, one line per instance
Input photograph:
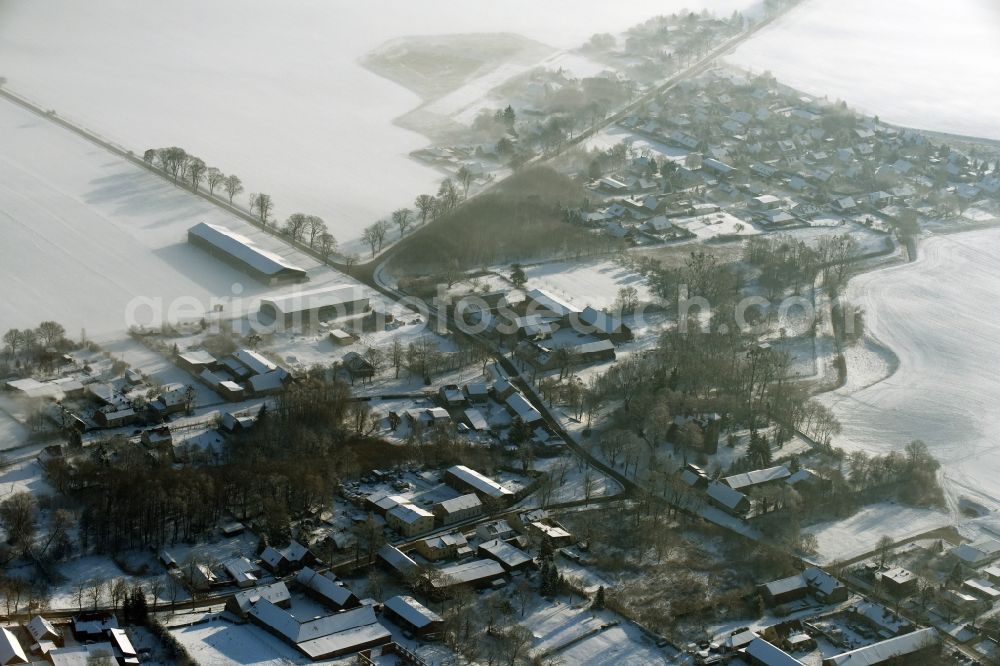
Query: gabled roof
(324, 585)
(412, 611)
(725, 495)
(879, 653)
(461, 503)
(757, 477)
(11, 651)
(549, 302)
(478, 481)
(602, 321)
(522, 408)
(769, 655)
(41, 629)
(275, 593)
(257, 363)
(242, 248)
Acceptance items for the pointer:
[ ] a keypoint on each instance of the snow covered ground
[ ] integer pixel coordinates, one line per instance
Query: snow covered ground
(876, 56)
(270, 91)
(86, 233)
(859, 534)
(938, 316)
(594, 283)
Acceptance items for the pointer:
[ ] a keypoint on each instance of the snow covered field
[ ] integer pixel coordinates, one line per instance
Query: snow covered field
(876, 56)
(939, 317)
(85, 233)
(595, 284)
(859, 534)
(268, 90)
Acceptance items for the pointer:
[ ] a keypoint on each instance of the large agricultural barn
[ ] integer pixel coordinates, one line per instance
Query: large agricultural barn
(310, 307)
(241, 253)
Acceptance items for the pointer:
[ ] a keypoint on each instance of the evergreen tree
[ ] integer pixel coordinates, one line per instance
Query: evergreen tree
(599, 599)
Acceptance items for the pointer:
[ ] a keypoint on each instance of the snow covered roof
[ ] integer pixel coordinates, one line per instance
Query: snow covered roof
(325, 585)
(468, 572)
(547, 302)
(275, 593)
(977, 553)
(40, 628)
(504, 553)
(461, 503)
(602, 321)
(11, 651)
(122, 642)
(326, 635)
(80, 655)
(257, 363)
(269, 381)
(725, 495)
(766, 654)
(411, 610)
(757, 477)
(476, 419)
(396, 558)
(307, 301)
(243, 249)
(879, 653)
(409, 513)
(522, 408)
(479, 482)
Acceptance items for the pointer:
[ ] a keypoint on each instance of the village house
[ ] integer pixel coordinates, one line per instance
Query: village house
(326, 589)
(324, 637)
(476, 574)
(284, 560)
(196, 361)
(731, 501)
(510, 558)
(756, 478)
(457, 509)
(409, 519)
(897, 581)
(444, 547)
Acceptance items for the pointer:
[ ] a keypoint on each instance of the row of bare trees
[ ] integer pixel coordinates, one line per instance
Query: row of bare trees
(183, 167)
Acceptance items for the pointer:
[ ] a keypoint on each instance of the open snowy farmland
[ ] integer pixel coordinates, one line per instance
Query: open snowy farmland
(85, 233)
(939, 317)
(875, 56)
(595, 284)
(268, 90)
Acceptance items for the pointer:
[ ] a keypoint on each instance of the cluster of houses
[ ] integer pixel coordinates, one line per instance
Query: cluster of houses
(732, 494)
(775, 160)
(497, 551)
(243, 374)
(89, 637)
(83, 402)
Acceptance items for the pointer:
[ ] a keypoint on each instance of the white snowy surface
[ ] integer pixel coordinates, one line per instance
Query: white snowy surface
(938, 315)
(594, 283)
(85, 233)
(859, 534)
(920, 63)
(269, 90)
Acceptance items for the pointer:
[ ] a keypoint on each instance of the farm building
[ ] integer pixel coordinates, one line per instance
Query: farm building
(241, 253)
(196, 361)
(757, 477)
(477, 573)
(893, 650)
(409, 519)
(326, 589)
(731, 501)
(446, 546)
(761, 653)
(308, 308)
(545, 303)
(291, 557)
(509, 557)
(240, 603)
(462, 478)
(606, 325)
(397, 560)
(334, 635)
(409, 613)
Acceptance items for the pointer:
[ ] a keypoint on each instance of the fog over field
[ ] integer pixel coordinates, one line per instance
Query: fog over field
(922, 63)
(271, 91)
